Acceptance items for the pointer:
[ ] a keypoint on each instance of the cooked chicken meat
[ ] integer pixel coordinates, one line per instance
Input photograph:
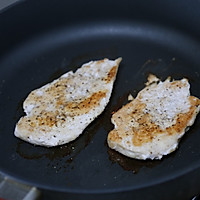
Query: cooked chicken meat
(152, 124)
(58, 112)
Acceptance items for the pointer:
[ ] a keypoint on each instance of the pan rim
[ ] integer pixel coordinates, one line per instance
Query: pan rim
(125, 188)
(103, 190)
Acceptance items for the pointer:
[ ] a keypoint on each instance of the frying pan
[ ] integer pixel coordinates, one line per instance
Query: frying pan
(42, 39)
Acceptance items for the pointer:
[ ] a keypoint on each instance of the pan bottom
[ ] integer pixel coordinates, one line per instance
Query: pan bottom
(86, 165)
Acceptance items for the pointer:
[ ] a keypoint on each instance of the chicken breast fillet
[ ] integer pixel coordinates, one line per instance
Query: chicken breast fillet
(151, 125)
(58, 112)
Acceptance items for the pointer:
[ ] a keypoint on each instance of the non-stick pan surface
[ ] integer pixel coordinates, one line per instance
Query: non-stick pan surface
(40, 40)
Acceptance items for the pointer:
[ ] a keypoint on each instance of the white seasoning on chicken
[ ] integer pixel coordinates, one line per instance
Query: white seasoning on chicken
(152, 124)
(58, 112)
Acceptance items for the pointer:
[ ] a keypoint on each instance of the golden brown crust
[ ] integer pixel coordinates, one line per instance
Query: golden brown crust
(142, 129)
(49, 119)
(111, 74)
(183, 119)
(59, 111)
(133, 120)
(86, 105)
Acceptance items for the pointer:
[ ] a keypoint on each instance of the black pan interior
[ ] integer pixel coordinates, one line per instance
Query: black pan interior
(40, 40)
